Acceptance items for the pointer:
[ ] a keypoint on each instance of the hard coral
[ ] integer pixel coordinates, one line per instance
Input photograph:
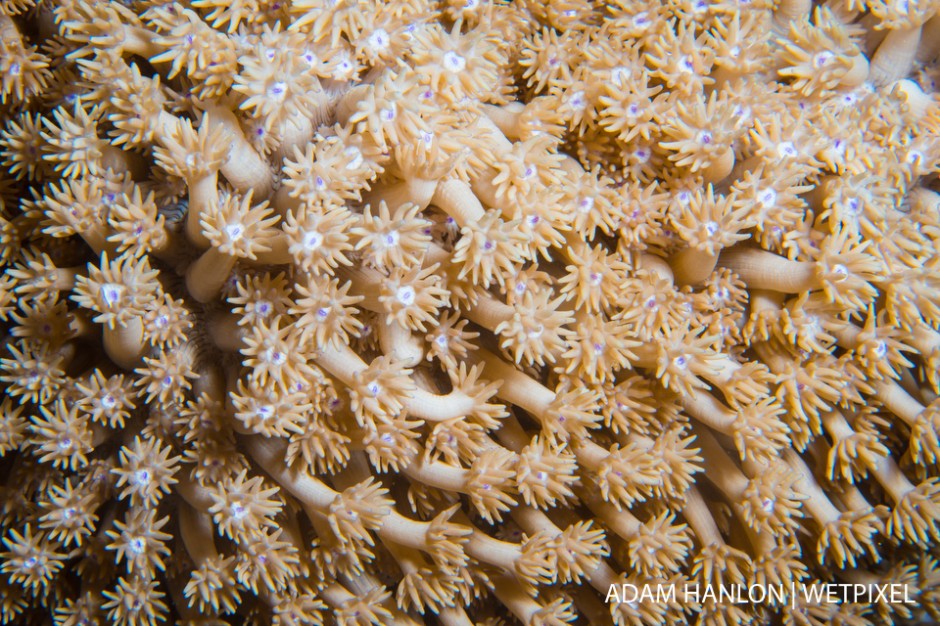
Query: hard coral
(358, 312)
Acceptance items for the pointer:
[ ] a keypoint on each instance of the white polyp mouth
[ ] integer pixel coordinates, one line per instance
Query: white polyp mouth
(881, 349)
(577, 101)
(264, 308)
(276, 357)
(108, 402)
(355, 157)
(379, 40)
(111, 293)
(840, 272)
(142, 477)
(586, 204)
(312, 240)
(391, 238)
(278, 90)
(822, 59)
(786, 149)
(454, 62)
(681, 362)
(812, 323)
(234, 231)
(344, 70)
(388, 113)
(768, 198)
(264, 413)
(137, 545)
(619, 75)
(406, 295)
(711, 228)
(767, 504)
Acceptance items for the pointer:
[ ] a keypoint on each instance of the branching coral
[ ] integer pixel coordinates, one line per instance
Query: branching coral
(466, 312)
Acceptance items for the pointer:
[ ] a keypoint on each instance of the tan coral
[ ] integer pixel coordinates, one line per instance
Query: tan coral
(466, 311)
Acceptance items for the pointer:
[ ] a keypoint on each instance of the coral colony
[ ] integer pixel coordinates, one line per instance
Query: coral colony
(469, 312)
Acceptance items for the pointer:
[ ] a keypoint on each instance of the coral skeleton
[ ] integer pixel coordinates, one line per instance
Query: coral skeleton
(465, 312)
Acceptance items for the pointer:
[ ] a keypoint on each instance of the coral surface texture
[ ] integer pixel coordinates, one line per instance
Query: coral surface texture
(469, 312)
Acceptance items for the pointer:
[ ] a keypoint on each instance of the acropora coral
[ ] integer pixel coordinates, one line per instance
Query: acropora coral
(462, 311)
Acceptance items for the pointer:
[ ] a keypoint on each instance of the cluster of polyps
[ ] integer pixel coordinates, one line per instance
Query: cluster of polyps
(518, 300)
